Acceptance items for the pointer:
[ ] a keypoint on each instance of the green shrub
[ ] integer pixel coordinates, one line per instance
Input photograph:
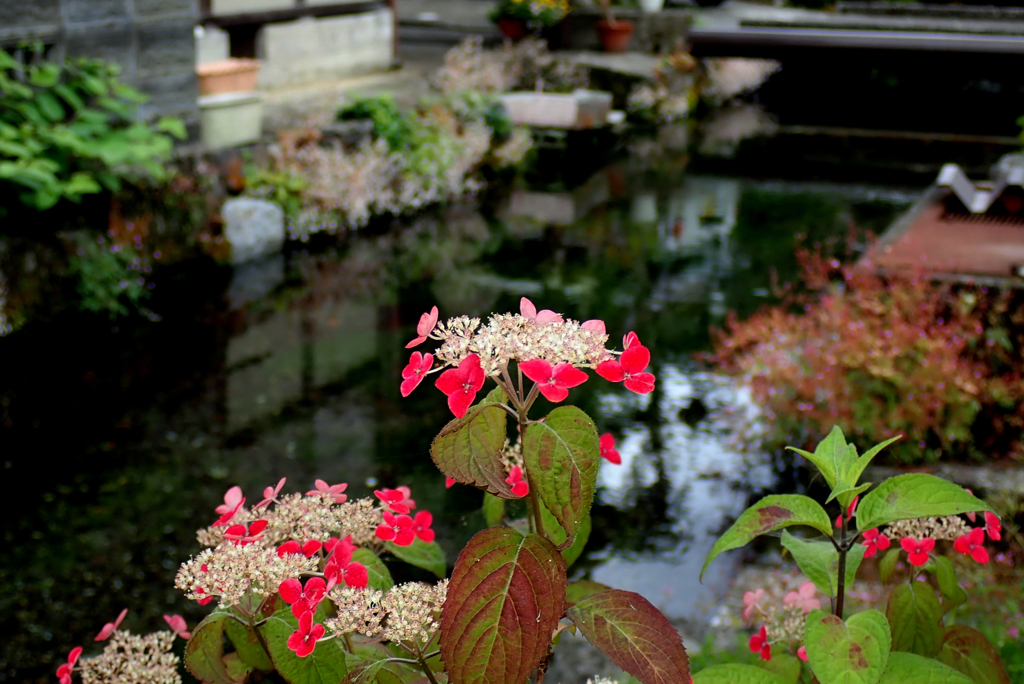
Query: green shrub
(389, 123)
(69, 129)
(107, 276)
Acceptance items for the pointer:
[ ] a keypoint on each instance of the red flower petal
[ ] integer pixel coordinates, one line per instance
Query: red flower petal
(385, 532)
(459, 402)
(448, 482)
(993, 526)
(424, 519)
(553, 393)
(630, 340)
(642, 383)
(520, 489)
(537, 370)
(594, 325)
(405, 537)
(566, 375)
(256, 527)
(635, 359)
(979, 554)
(450, 381)
(311, 547)
(290, 590)
(610, 370)
(288, 547)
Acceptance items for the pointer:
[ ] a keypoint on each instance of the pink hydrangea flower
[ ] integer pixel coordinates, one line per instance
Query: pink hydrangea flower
(751, 599)
(65, 670)
(413, 374)
(270, 494)
(993, 526)
(178, 626)
(629, 370)
(528, 310)
(594, 325)
(875, 542)
(461, 384)
(331, 490)
(630, 340)
(303, 599)
(917, 550)
(554, 381)
(421, 526)
(803, 597)
(395, 499)
(243, 536)
(801, 653)
(111, 627)
(396, 528)
(232, 499)
(973, 544)
(520, 487)
(759, 643)
(303, 640)
(606, 445)
(424, 328)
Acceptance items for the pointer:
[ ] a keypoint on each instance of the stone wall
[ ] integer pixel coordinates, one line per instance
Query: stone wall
(152, 40)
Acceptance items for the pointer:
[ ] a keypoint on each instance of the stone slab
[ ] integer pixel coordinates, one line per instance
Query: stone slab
(17, 13)
(213, 44)
(166, 47)
(298, 52)
(146, 8)
(581, 110)
(116, 44)
(219, 8)
(81, 11)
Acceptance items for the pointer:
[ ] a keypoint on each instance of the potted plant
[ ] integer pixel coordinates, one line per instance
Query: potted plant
(613, 34)
(518, 18)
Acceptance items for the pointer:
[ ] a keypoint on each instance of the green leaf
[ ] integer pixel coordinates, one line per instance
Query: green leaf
(380, 577)
(634, 634)
(888, 564)
(771, 513)
(734, 673)
(856, 469)
(468, 449)
(915, 618)
(916, 495)
(45, 75)
(50, 106)
(421, 554)
(851, 652)
(784, 665)
(204, 652)
(247, 645)
(845, 492)
(949, 585)
(325, 665)
(173, 126)
(237, 669)
(81, 183)
(69, 96)
(908, 668)
(966, 650)
(819, 560)
(505, 598)
(581, 589)
(556, 535)
(494, 510)
(831, 456)
(579, 542)
(562, 459)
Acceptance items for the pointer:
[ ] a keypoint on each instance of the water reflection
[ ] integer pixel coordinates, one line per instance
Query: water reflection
(120, 444)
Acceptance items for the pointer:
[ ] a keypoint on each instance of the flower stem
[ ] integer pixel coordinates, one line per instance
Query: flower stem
(259, 637)
(841, 579)
(426, 668)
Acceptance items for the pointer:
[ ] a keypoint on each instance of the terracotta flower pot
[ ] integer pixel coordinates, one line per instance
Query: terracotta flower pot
(228, 76)
(513, 29)
(614, 36)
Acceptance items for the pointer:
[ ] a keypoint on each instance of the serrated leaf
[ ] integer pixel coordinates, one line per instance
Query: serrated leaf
(888, 564)
(468, 449)
(430, 556)
(581, 589)
(634, 634)
(204, 652)
(494, 510)
(845, 492)
(851, 652)
(237, 669)
(967, 651)
(916, 495)
(784, 665)
(380, 576)
(771, 513)
(325, 665)
(949, 585)
(562, 459)
(735, 673)
(247, 645)
(505, 598)
(908, 668)
(819, 560)
(556, 535)
(856, 469)
(831, 456)
(915, 619)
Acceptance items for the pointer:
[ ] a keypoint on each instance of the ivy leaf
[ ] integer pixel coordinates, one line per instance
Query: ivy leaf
(562, 458)
(634, 634)
(819, 560)
(966, 650)
(468, 449)
(915, 618)
(916, 495)
(204, 652)
(851, 652)
(949, 585)
(325, 665)
(581, 589)
(908, 668)
(421, 554)
(771, 513)
(247, 645)
(505, 598)
(380, 576)
(735, 673)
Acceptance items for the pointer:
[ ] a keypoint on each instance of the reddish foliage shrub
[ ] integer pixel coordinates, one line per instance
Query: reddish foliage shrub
(939, 363)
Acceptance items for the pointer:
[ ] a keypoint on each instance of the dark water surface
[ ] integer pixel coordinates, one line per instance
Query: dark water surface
(118, 442)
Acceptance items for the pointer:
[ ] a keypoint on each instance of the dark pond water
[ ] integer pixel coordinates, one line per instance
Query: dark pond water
(118, 442)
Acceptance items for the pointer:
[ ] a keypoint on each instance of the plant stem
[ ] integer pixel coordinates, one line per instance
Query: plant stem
(534, 501)
(259, 637)
(348, 643)
(841, 580)
(426, 668)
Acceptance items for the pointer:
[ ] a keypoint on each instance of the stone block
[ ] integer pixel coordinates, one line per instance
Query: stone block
(81, 11)
(170, 94)
(148, 8)
(226, 7)
(212, 45)
(253, 227)
(115, 44)
(332, 47)
(580, 110)
(14, 13)
(166, 47)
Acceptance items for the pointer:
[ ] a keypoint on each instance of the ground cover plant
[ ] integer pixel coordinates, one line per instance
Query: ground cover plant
(878, 356)
(916, 515)
(301, 586)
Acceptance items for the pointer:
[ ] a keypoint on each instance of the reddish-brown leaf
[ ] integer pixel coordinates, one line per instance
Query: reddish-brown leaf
(505, 598)
(634, 634)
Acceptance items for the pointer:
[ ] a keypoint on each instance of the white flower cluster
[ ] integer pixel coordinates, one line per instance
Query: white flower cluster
(132, 659)
(950, 528)
(228, 572)
(507, 337)
(404, 613)
(359, 610)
